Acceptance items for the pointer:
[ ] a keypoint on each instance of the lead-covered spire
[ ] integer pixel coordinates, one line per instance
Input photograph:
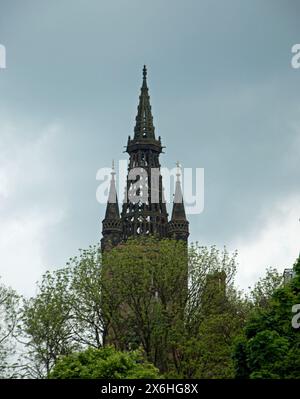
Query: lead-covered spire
(112, 207)
(178, 212)
(112, 223)
(178, 226)
(144, 121)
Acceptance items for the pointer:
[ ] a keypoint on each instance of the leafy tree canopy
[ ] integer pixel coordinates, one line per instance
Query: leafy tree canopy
(270, 345)
(105, 362)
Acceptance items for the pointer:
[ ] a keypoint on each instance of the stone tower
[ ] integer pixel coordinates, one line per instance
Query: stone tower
(144, 209)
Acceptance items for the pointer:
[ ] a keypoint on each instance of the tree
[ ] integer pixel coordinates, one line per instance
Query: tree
(104, 363)
(263, 290)
(215, 315)
(270, 346)
(85, 296)
(9, 304)
(178, 304)
(66, 313)
(46, 323)
(144, 296)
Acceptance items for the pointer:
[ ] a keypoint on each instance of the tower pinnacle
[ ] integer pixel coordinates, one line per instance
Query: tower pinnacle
(145, 74)
(111, 224)
(178, 227)
(144, 128)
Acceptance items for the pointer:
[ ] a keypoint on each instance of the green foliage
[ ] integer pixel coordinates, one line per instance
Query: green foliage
(9, 314)
(66, 314)
(104, 363)
(144, 294)
(208, 353)
(270, 346)
(265, 353)
(178, 304)
(46, 326)
(86, 297)
(265, 287)
(215, 315)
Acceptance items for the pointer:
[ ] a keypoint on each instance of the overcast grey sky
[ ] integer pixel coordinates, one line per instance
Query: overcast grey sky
(224, 97)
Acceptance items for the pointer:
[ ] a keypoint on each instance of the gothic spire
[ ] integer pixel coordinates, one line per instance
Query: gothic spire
(141, 213)
(112, 223)
(144, 121)
(112, 207)
(178, 213)
(178, 227)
